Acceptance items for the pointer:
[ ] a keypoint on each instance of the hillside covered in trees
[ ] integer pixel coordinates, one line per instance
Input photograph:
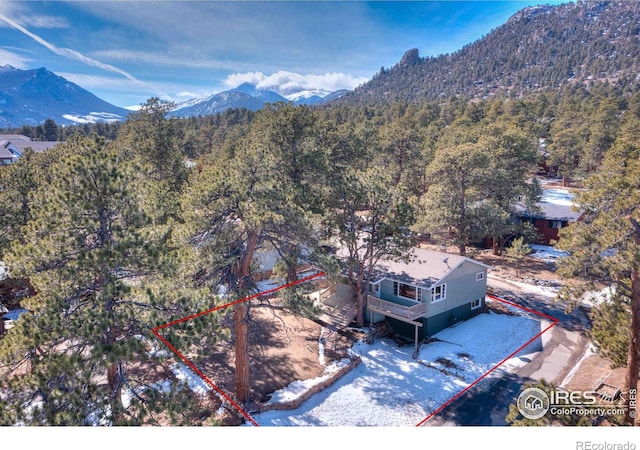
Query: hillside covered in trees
(537, 48)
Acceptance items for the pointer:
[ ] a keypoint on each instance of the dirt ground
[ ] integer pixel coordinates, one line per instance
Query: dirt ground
(595, 370)
(282, 348)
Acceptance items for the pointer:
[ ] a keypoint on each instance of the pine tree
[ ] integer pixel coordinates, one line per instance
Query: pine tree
(517, 251)
(94, 261)
(369, 218)
(605, 246)
(456, 177)
(154, 143)
(17, 183)
(259, 199)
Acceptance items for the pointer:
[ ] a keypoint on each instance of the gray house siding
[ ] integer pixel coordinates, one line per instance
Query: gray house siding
(461, 288)
(465, 284)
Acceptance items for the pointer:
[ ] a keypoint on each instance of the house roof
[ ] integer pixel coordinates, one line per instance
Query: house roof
(556, 204)
(14, 137)
(559, 212)
(5, 153)
(425, 267)
(21, 143)
(37, 146)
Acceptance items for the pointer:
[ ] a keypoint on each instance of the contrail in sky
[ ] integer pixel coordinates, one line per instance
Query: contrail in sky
(67, 52)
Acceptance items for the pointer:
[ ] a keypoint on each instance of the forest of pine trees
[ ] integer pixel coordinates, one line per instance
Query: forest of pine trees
(117, 234)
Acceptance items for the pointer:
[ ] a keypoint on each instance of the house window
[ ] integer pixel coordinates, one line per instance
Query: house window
(373, 287)
(406, 291)
(480, 276)
(477, 303)
(438, 293)
(557, 224)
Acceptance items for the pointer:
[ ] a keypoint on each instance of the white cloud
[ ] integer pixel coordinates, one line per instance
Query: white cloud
(66, 52)
(187, 94)
(13, 59)
(30, 18)
(286, 82)
(43, 21)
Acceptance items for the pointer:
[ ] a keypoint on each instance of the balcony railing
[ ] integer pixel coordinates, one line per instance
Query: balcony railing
(385, 307)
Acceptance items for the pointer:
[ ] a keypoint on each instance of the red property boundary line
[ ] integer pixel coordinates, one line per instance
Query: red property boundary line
(193, 367)
(554, 322)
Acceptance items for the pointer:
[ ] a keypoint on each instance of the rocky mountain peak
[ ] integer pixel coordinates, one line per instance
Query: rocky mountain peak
(410, 58)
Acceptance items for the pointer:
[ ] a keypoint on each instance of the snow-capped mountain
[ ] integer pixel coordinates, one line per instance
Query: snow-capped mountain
(250, 97)
(217, 103)
(29, 97)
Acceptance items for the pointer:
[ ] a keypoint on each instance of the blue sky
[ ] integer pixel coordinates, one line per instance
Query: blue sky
(128, 51)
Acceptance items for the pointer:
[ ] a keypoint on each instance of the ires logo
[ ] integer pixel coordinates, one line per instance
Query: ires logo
(534, 403)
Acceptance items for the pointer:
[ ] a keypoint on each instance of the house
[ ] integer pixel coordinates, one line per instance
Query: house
(431, 292)
(12, 146)
(555, 211)
(266, 258)
(9, 153)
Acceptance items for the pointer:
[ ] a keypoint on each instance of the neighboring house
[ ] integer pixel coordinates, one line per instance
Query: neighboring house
(3, 312)
(428, 294)
(12, 146)
(556, 210)
(9, 154)
(265, 260)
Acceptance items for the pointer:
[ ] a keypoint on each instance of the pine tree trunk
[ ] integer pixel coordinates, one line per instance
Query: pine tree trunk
(360, 298)
(292, 272)
(496, 247)
(242, 272)
(242, 378)
(633, 365)
(115, 388)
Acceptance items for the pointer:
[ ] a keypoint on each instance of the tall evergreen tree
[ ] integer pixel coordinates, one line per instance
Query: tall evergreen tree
(258, 200)
(456, 179)
(94, 259)
(154, 142)
(605, 246)
(369, 217)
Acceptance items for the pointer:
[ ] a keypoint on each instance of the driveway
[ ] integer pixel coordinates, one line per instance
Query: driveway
(562, 347)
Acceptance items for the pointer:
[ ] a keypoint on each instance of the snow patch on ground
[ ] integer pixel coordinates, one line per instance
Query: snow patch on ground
(299, 387)
(545, 291)
(594, 298)
(4, 272)
(546, 253)
(93, 117)
(390, 388)
(128, 394)
(194, 381)
(321, 347)
(274, 283)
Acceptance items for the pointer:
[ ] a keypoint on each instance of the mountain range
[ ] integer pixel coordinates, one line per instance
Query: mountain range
(29, 97)
(250, 97)
(541, 47)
